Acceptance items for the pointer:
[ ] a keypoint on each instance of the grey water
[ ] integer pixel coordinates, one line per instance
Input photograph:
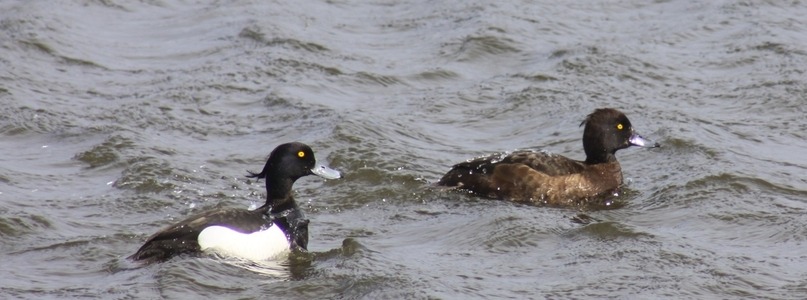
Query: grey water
(118, 118)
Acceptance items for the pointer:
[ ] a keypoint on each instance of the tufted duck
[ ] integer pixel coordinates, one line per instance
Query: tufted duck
(263, 233)
(538, 177)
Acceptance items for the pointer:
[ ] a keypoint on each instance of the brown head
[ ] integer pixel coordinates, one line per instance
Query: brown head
(608, 130)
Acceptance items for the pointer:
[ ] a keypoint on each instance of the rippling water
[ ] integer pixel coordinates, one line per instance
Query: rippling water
(121, 117)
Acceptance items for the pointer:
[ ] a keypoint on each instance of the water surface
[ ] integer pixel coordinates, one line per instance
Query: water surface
(120, 118)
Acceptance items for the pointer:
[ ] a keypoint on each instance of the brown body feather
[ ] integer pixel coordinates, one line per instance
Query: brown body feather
(535, 177)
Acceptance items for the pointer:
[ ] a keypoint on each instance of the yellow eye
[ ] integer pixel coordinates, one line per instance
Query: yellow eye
(301, 154)
(619, 126)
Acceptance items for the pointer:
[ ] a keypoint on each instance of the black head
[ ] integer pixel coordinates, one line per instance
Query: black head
(292, 161)
(608, 130)
(286, 164)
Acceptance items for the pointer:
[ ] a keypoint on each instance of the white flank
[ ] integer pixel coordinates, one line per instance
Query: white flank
(259, 245)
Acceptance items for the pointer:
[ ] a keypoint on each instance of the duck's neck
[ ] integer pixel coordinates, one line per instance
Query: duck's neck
(279, 194)
(600, 158)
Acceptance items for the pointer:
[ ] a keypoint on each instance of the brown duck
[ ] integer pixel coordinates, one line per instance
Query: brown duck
(538, 177)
